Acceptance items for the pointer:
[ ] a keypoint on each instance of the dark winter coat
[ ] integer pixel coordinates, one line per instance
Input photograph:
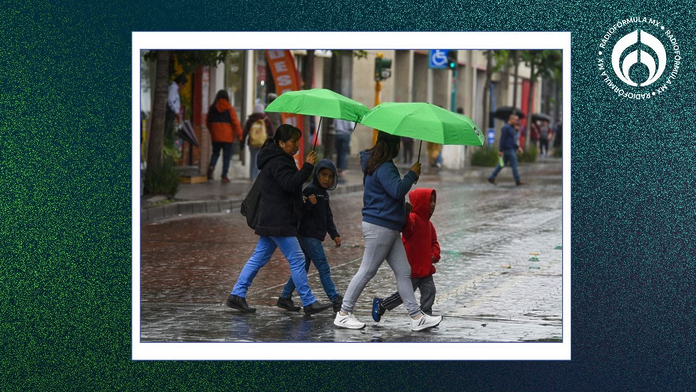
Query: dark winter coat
(281, 192)
(317, 219)
(419, 236)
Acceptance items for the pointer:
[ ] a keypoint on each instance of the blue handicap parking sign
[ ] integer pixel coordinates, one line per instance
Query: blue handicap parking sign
(491, 136)
(437, 58)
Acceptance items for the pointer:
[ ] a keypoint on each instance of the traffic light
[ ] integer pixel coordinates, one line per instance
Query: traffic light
(382, 67)
(452, 59)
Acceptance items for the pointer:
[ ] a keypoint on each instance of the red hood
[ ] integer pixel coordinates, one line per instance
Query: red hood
(420, 199)
(222, 105)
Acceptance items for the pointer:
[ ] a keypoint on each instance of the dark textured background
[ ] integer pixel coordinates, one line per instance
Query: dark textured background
(65, 148)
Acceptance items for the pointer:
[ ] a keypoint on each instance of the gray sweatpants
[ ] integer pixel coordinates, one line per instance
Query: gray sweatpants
(380, 244)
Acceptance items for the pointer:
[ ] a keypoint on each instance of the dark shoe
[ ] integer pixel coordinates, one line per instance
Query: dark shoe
(518, 183)
(239, 303)
(210, 172)
(316, 307)
(225, 179)
(337, 302)
(287, 304)
(491, 180)
(377, 309)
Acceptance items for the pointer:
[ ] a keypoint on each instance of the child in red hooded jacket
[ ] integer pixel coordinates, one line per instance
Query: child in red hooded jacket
(422, 249)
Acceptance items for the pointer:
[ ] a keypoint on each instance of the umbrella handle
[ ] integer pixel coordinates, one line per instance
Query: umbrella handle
(316, 136)
(419, 150)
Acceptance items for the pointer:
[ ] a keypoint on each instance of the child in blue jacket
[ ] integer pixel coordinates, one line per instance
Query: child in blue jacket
(315, 222)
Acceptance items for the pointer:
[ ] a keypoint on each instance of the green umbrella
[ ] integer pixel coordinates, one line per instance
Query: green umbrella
(424, 121)
(318, 102)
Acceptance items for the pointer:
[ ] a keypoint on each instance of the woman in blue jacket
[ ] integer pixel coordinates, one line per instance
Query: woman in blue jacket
(279, 213)
(384, 215)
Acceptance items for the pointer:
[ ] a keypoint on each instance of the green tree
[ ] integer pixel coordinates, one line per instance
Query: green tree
(486, 99)
(509, 59)
(189, 60)
(542, 64)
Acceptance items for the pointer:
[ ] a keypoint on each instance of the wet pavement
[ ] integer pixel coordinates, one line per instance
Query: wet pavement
(488, 290)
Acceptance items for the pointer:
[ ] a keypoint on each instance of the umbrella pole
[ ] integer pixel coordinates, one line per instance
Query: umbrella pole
(419, 150)
(316, 136)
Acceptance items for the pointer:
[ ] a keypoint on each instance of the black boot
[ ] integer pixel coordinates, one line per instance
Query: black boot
(239, 303)
(316, 307)
(287, 304)
(337, 302)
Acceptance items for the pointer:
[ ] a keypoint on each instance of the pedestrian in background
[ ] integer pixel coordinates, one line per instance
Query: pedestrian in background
(544, 137)
(342, 143)
(173, 107)
(534, 133)
(257, 129)
(279, 214)
(276, 117)
(223, 124)
(422, 249)
(315, 222)
(434, 154)
(384, 214)
(507, 150)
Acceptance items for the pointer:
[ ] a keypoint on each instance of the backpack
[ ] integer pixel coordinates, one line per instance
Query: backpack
(257, 133)
(250, 205)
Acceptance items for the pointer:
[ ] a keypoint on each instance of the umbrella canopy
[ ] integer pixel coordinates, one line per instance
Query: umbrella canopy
(423, 121)
(318, 102)
(504, 112)
(186, 132)
(541, 117)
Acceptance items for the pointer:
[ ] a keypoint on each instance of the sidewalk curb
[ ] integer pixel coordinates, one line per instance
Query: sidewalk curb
(188, 208)
(198, 207)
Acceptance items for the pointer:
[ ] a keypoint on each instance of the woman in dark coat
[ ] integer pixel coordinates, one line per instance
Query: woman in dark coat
(279, 213)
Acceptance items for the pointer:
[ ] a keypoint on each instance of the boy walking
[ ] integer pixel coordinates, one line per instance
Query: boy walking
(422, 249)
(315, 222)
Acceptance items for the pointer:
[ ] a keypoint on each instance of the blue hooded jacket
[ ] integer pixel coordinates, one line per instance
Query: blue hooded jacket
(317, 219)
(384, 195)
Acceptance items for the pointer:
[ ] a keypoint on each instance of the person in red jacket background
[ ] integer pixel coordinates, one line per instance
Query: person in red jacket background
(224, 127)
(422, 249)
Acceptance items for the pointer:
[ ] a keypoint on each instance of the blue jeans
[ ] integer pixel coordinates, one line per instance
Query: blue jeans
(342, 150)
(226, 156)
(314, 252)
(510, 159)
(263, 252)
(253, 169)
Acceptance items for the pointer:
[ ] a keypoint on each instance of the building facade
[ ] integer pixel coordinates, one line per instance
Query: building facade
(247, 77)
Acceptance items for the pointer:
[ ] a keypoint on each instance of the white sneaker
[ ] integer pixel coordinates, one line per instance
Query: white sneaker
(425, 322)
(349, 321)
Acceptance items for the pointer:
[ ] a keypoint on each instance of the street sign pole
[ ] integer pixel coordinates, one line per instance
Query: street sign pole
(454, 89)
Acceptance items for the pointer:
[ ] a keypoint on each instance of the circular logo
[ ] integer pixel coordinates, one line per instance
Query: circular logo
(639, 58)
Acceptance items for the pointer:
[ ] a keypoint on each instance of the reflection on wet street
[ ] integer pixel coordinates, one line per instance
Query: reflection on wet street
(490, 286)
